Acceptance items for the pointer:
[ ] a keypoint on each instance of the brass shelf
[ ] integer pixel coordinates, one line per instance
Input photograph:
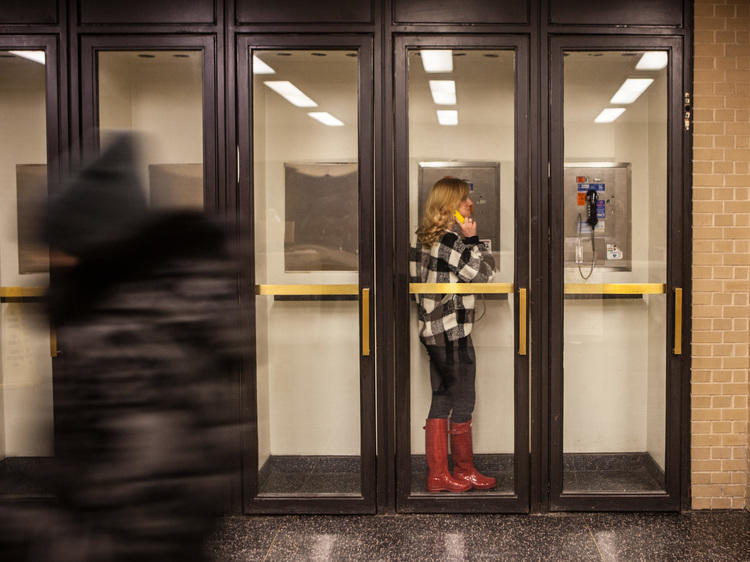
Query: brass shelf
(307, 290)
(460, 288)
(23, 292)
(615, 288)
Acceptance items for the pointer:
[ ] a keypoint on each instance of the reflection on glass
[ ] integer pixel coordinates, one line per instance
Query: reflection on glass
(615, 209)
(461, 125)
(158, 94)
(26, 422)
(306, 224)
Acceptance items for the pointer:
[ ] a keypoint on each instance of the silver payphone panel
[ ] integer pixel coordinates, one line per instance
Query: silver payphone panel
(611, 240)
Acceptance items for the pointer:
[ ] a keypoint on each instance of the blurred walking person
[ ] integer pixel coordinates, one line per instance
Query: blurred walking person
(145, 432)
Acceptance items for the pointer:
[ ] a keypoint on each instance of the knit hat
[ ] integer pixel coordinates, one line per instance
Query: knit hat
(102, 205)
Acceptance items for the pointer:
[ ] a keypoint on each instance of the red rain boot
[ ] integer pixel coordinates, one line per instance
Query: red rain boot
(436, 446)
(463, 458)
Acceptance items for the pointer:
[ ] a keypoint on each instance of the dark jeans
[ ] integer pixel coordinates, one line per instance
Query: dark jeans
(452, 372)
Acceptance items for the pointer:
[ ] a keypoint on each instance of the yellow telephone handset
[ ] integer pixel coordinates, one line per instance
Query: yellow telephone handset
(459, 217)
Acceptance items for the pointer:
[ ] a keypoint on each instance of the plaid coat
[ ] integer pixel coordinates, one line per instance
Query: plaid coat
(451, 260)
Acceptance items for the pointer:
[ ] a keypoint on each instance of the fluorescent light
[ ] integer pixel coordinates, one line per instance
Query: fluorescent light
(36, 56)
(259, 67)
(326, 118)
(437, 61)
(443, 92)
(447, 116)
(291, 93)
(610, 114)
(653, 60)
(630, 90)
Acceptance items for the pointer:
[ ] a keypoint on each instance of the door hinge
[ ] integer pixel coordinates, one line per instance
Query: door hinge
(687, 110)
(549, 170)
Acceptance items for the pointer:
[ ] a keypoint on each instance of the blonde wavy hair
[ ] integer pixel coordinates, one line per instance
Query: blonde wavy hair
(444, 198)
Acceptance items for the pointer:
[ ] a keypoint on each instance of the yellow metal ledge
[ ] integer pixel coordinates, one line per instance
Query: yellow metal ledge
(615, 288)
(22, 292)
(460, 288)
(305, 290)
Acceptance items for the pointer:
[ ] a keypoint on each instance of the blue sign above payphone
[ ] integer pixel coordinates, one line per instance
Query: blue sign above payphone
(595, 186)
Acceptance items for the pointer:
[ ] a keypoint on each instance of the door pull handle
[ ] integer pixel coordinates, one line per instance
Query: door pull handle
(365, 322)
(521, 321)
(678, 321)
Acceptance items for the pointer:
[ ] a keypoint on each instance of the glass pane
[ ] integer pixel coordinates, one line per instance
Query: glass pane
(158, 94)
(615, 199)
(461, 125)
(26, 422)
(306, 225)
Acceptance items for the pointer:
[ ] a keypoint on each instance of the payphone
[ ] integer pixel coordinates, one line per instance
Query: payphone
(597, 217)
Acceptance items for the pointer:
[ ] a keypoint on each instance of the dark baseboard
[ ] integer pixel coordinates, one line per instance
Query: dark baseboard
(27, 478)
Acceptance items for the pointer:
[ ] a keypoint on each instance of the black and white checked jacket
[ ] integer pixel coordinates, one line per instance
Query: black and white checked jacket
(451, 260)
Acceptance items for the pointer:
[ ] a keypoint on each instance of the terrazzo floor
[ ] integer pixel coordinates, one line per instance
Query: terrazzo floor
(591, 536)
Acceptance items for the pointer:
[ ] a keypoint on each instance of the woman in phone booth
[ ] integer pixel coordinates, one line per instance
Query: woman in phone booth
(447, 250)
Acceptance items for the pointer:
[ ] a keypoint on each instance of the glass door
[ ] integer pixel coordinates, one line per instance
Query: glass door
(162, 90)
(305, 173)
(29, 137)
(616, 314)
(462, 293)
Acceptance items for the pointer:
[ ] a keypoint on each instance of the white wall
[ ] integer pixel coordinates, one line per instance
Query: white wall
(484, 90)
(261, 303)
(307, 352)
(26, 422)
(160, 98)
(614, 355)
(657, 320)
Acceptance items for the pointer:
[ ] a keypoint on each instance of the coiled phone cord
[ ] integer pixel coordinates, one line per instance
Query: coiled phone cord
(593, 251)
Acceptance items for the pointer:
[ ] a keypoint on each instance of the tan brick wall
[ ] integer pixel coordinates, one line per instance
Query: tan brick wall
(721, 255)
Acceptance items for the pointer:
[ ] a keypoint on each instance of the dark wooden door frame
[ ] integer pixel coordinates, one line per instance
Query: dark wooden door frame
(244, 125)
(56, 133)
(213, 128)
(492, 503)
(678, 274)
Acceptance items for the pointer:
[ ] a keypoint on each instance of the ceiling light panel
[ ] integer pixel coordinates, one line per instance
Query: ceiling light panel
(437, 61)
(290, 92)
(259, 67)
(326, 118)
(653, 60)
(447, 116)
(610, 114)
(443, 92)
(630, 90)
(36, 56)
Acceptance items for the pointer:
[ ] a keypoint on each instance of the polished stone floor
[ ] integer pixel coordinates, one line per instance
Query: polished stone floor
(592, 536)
